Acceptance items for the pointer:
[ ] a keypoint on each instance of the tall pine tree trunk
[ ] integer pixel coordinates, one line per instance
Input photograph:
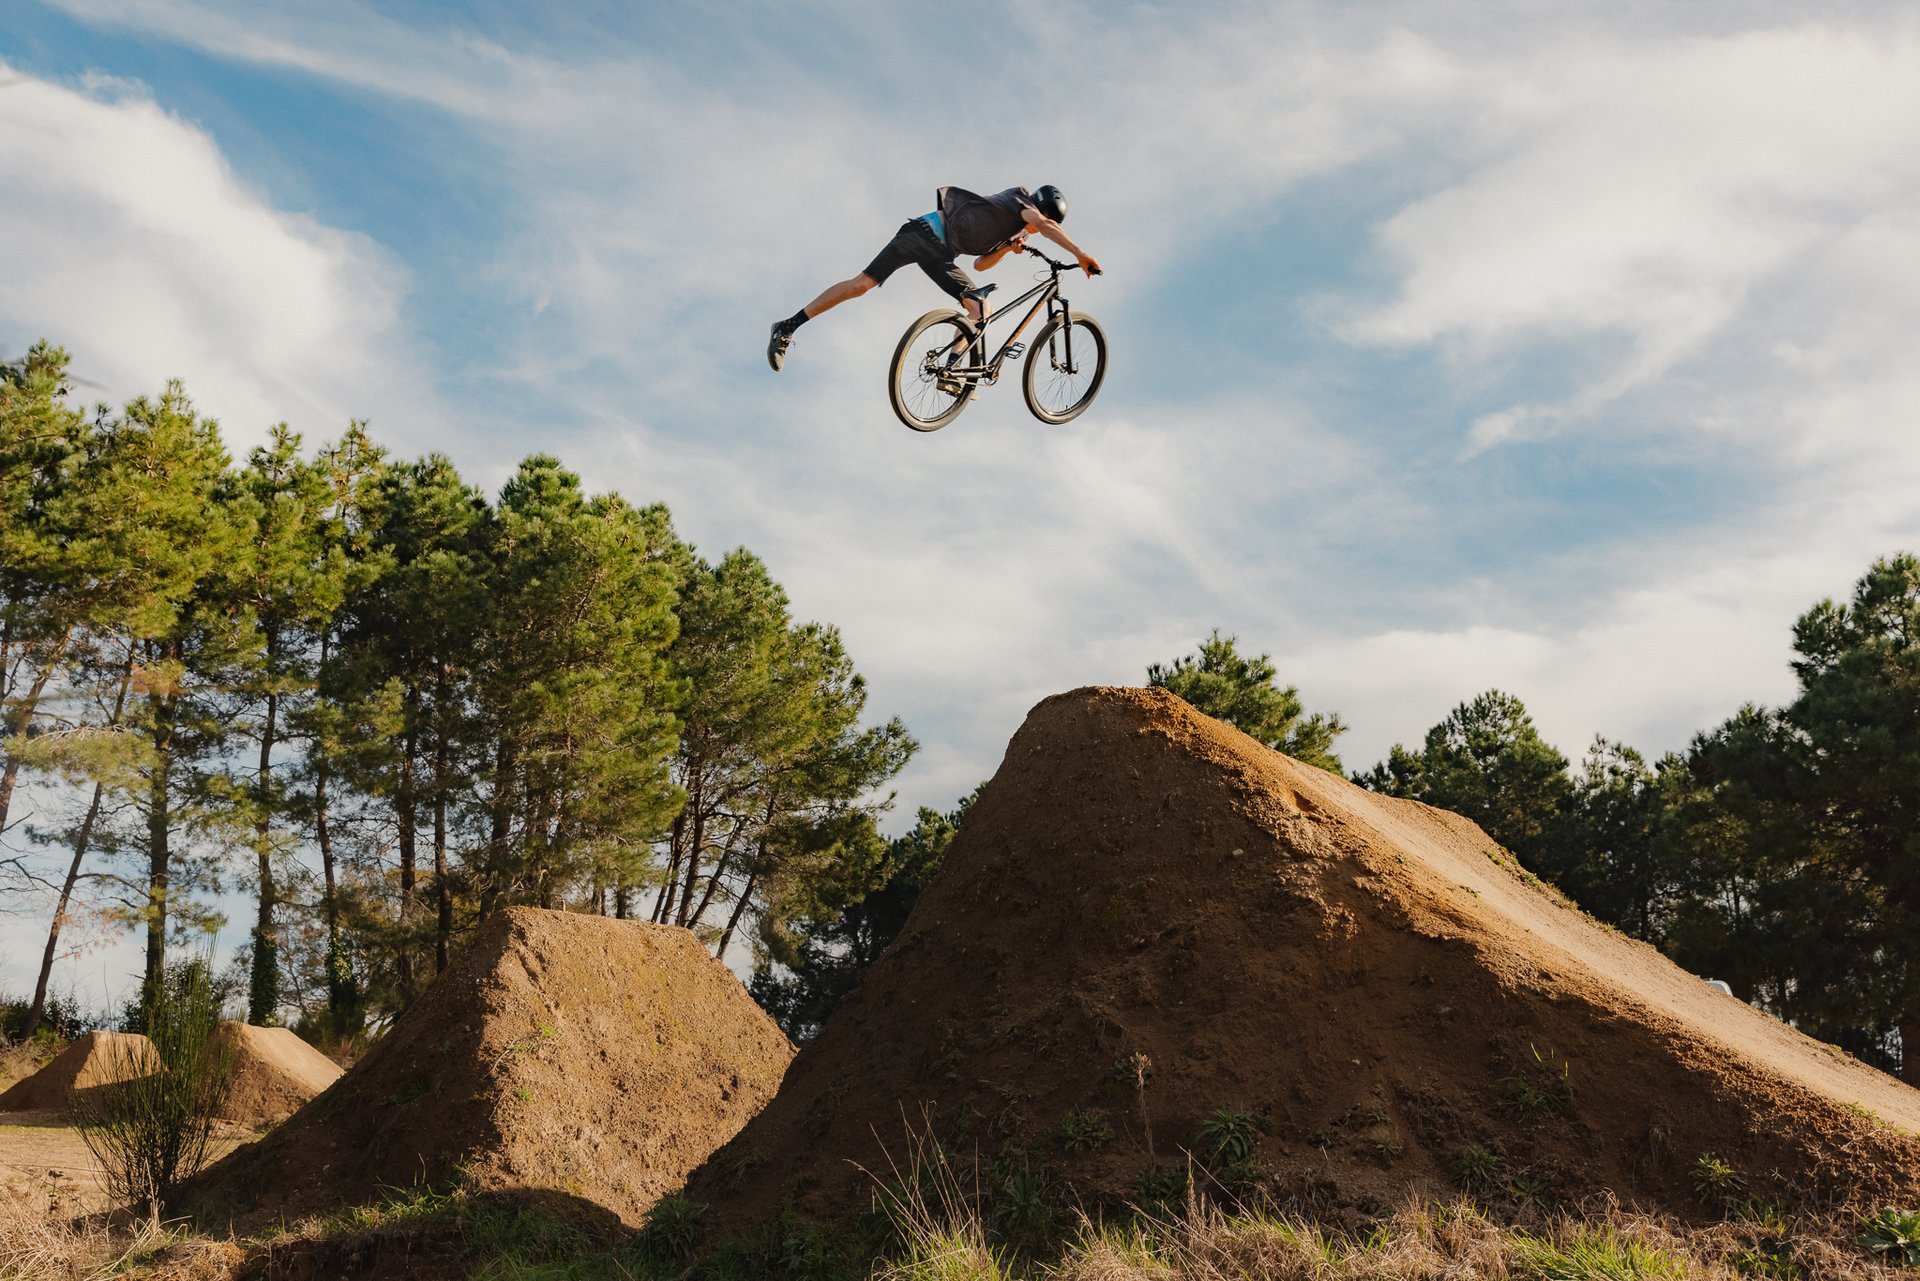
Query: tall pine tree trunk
(442, 892)
(1910, 1043)
(403, 803)
(739, 909)
(659, 914)
(82, 839)
(264, 995)
(20, 717)
(159, 854)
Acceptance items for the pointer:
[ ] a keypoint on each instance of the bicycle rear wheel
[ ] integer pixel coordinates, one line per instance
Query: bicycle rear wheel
(924, 396)
(1058, 386)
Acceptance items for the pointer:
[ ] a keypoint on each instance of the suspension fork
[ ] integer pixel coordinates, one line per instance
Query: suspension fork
(1058, 308)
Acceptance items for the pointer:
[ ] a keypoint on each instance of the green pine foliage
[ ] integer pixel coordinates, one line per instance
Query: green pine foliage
(387, 705)
(1223, 683)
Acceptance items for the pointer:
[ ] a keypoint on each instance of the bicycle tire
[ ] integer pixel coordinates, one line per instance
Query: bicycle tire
(1068, 392)
(918, 401)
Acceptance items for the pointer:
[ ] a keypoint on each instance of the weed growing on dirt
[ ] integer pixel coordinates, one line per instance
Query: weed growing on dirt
(1132, 1073)
(1159, 1189)
(1714, 1181)
(1478, 1166)
(672, 1228)
(1084, 1129)
(1227, 1137)
(1541, 1088)
(1023, 1213)
(1893, 1235)
(1528, 1188)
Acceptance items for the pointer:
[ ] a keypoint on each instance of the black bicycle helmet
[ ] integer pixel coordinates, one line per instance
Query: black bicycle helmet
(1050, 202)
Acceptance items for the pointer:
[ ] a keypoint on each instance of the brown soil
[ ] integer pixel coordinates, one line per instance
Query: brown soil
(598, 1058)
(1371, 978)
(274, 1073)
(88, 1062)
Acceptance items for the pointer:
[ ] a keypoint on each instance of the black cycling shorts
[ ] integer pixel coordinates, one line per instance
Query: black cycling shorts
(916, 243)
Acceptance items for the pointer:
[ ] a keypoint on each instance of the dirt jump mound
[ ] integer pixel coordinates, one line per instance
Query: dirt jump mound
(1157, 945)
(274, 1073)
(559, 1053)
(93, 1060)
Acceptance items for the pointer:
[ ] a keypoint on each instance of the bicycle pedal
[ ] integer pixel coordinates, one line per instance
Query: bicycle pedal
(1015, 350)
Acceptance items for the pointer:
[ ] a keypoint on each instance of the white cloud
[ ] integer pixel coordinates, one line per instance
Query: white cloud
(1645, 191)
(131, 242)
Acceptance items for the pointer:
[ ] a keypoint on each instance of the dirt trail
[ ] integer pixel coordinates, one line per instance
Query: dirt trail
(1507, 906)
(594, 1058)
(1396, 1005)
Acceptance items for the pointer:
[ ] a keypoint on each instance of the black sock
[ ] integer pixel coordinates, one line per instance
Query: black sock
(794, 321)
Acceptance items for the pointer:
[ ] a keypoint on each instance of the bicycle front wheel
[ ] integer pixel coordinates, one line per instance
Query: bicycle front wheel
(925, 394)
(1065, 367)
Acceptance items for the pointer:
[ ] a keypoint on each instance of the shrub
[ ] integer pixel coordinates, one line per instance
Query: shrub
(154, 1129)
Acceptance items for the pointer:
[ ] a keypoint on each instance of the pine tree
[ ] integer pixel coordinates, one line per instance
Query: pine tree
(284, 590)
(1221, 682)
(1488, 762)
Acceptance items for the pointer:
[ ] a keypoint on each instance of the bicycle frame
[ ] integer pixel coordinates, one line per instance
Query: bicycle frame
(1052, 300)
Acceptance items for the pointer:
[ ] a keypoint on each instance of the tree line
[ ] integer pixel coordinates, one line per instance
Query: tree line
(383, 705)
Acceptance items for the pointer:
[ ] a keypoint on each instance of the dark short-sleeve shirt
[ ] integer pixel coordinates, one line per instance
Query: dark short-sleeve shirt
(980, 224)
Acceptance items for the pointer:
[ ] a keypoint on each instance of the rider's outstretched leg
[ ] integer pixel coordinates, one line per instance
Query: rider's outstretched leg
(781, 337)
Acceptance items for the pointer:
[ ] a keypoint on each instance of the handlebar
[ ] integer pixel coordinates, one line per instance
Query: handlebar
(1055, 263)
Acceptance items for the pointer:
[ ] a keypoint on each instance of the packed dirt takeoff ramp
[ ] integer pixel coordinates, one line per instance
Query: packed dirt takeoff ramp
(93, 1060)
(1147, 917)
(560, 1052)
(274, 1073)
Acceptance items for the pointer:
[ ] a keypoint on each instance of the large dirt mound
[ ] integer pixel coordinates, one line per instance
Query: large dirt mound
(274, 1073)
(1397, 1007)
(89, 1062)
(598, 1058)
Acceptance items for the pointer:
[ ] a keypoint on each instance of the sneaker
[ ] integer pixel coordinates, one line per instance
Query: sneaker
(777, 344)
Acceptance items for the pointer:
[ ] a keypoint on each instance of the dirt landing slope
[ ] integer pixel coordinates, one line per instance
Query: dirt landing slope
(1395, 1005)
(91, 1061)
(598, 1058)
(274, 1073)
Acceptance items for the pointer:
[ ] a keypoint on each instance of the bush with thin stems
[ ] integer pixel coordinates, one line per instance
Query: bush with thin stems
(153, 1128)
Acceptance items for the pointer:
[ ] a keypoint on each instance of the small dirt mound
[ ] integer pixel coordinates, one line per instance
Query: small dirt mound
(598, 1058)
(89, 1062)
(1155, 939)
(274, 1073)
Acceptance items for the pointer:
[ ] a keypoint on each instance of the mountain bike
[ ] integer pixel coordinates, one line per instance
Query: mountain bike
(941, 362)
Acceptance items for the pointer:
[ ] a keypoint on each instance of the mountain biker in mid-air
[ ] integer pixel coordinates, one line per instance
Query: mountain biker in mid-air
(961, 223)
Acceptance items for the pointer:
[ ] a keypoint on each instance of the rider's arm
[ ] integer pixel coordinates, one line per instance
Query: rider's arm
(991, 259)
(1037, 221)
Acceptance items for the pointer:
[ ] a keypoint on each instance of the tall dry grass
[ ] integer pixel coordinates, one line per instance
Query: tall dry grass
(1457, 1241)
(943, 1235)
(39, 1243)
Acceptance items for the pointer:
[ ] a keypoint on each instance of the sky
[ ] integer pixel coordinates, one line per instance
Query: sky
(1562, 348)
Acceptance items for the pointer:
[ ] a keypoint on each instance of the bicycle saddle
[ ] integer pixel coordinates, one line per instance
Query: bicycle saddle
(980, 292)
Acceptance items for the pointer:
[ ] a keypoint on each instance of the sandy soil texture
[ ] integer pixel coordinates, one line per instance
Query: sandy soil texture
(1371, 979)
(591, 1058)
